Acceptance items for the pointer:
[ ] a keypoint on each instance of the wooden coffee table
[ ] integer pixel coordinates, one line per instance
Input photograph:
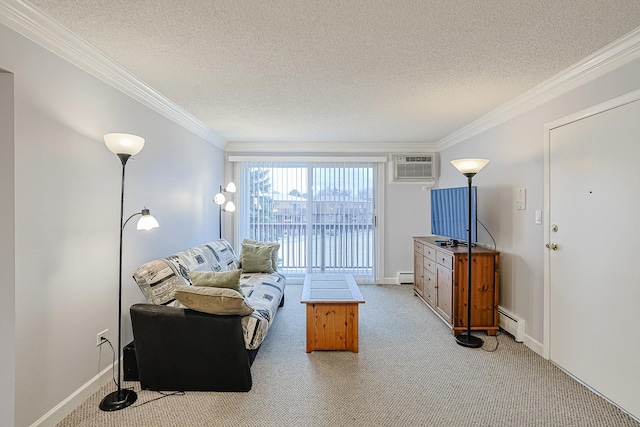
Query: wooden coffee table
(332, 311)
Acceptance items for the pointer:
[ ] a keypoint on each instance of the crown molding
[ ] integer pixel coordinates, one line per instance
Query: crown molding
(611, 57)
(28, 21)
(329, 147)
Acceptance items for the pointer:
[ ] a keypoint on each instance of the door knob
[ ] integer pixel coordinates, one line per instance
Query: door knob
(553, 246)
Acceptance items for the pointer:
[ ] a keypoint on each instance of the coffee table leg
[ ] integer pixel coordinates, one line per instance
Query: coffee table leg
(354, 328)
(311, 336)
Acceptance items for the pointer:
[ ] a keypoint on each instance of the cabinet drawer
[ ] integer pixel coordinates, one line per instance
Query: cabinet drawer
(445, 259)
(429, 264)
(429, 279)
(429, 252)
(417, 247)
(430, 296)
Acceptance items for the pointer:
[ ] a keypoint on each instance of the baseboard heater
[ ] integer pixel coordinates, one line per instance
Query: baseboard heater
(405, 278)
(511, 323)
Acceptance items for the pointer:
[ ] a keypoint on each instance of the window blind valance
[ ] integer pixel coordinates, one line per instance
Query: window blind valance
(307, 159)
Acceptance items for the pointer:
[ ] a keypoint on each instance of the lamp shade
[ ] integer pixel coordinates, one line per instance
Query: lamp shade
(124, 143)
(219, 199)
(230, 207)
(147, 221)
(230, 188)
(469, 166)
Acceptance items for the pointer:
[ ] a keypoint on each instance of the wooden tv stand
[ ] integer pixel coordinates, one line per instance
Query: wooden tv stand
(440, 280)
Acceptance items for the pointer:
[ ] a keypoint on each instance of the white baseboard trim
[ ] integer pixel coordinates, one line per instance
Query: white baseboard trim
(533, 344)
(68, 405)
(391, 281)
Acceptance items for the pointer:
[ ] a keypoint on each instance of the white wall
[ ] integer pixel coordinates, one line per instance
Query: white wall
(67, 190)
(516, 151)
(407, 214)
(7, 253)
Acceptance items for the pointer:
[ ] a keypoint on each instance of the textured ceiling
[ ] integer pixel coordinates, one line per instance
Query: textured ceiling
(341, 70)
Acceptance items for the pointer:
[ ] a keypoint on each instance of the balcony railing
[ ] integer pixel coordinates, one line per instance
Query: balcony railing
(320, 248)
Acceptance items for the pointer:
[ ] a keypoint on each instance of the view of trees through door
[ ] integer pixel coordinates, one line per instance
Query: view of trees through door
(322, 214)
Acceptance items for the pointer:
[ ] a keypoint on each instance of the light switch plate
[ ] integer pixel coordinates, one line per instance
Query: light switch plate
(521, 198)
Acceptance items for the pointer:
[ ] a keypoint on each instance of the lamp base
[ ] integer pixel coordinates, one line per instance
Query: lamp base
(469, 341)
(119, 399)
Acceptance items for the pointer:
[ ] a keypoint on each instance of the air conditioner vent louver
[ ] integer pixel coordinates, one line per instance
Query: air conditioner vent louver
(414, 168)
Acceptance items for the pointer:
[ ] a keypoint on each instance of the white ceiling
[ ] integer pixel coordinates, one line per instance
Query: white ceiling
(403, 71)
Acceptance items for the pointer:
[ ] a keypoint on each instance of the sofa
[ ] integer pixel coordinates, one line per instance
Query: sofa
(182, 345)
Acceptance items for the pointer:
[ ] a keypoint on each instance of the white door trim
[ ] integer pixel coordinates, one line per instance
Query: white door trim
(548, 127)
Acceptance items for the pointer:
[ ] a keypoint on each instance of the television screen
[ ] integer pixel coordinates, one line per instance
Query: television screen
(450, 213)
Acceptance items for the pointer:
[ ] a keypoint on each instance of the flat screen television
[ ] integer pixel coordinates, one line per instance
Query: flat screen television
(450, 213)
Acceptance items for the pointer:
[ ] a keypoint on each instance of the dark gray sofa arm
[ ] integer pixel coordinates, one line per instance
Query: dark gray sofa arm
(185, 350)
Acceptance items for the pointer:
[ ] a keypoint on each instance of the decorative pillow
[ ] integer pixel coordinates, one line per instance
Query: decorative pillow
(158, 279)
(223, 255)
(223, 279)
(213, 300)
(275, 247)
(256, 259)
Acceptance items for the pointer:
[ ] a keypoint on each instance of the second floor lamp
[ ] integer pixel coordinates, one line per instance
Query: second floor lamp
(220, 199)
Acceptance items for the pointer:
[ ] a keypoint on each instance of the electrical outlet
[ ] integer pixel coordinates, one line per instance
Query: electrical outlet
(99, 337)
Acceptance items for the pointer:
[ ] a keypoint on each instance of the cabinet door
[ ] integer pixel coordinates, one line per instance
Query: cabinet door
(443, 291)
(418, 273)
(483, 306)
(430, 287)
(484, 291)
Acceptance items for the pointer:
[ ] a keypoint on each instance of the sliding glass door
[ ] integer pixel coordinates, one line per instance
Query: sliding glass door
(322, 214)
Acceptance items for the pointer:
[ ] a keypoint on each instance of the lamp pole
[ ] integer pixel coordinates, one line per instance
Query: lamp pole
(220, 222)
(219, 199)
(469, 167)
(468, 340)
(120, 398)
(124, 146)
(220, 217)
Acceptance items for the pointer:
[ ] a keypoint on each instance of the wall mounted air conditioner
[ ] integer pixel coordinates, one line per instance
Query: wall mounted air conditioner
(419, 168)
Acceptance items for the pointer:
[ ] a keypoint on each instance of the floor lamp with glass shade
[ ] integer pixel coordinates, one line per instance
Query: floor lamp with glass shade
(124, 146)
(469, 167)
(220, 199)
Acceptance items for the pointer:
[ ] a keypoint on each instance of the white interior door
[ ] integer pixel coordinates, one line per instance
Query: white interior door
(594, 281)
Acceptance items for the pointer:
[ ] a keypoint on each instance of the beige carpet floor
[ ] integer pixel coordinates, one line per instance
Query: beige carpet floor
(409, 372)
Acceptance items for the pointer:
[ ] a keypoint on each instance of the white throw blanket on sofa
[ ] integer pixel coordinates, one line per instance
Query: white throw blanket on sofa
(157, 280)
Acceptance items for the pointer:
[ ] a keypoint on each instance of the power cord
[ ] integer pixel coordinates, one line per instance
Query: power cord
(113, 359)
(113, 364)
(489, 233)
(163, 395)
(497, 343)
(113, 375)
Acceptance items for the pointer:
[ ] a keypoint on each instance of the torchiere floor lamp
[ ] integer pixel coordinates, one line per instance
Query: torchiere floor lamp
(124, 146)
(469, 167)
